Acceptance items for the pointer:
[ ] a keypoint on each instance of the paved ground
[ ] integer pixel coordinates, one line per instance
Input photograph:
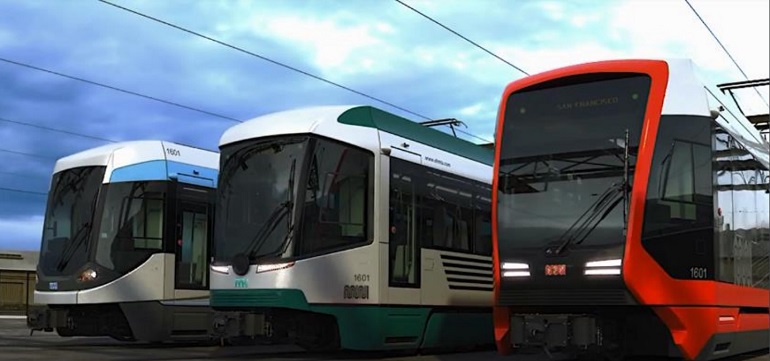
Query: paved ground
(16, 344)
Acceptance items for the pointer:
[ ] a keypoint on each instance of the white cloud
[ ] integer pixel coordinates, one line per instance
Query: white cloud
(472, 110)
(349, 44)
(655, 29)
(671, 29)
(331, 43)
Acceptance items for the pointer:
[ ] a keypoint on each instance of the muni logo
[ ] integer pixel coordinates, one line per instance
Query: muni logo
(241, 283)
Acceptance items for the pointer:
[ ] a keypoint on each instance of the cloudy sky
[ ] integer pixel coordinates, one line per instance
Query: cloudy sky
(377, 47)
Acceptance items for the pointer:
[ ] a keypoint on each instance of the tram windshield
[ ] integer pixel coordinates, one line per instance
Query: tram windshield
(563, 159)
(290, 197)
(68, 224)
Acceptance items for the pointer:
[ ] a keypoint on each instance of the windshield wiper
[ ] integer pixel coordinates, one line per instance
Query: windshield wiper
(284, 209)
(283, 245)
(609, 197)
(72, 184)
(56, 192)
(75, 242)
(82, 234)
(240, 157)
(603, 205)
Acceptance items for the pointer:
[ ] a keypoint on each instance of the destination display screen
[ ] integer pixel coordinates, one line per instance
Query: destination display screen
(574, 113)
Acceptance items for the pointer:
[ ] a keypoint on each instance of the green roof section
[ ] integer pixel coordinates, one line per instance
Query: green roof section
(372, 117)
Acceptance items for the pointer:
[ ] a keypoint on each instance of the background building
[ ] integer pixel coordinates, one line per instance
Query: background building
(17, 281)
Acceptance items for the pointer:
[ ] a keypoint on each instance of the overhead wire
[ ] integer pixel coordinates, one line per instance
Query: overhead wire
(33, 155)
(267, 59)
(275, 62)
(58, 130)
(16, 190)
(714, 35)
(27, 154)
(462, 36)
(17, 174)
(473, 135)
(115, 88)
(42, 156)
(168, 102)
(431, 19)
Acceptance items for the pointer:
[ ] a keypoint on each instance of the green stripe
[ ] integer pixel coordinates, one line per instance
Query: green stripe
(285, 298)
(376, 327)
(371, 117)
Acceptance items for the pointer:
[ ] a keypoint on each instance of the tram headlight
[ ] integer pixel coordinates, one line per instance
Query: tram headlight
(514, 269)
(221, 269)
(273, 266)
(87, 275)
(604, 268)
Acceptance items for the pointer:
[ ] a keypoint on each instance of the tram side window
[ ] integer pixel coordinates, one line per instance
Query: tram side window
(761, 265)
(760, 260)
(483, 221)
(686, 180)
(147, 222)
(452, 212)
(403, 247)
(723, 147)
(192, 270)
(742, 215)
(453, 215)
(681, 176)
(337, 198)
(679, 209)
(132, 225)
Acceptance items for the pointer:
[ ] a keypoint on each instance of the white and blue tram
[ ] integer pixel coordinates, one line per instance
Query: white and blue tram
(125, 245)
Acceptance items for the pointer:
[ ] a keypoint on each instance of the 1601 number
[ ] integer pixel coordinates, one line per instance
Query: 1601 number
(699, 272)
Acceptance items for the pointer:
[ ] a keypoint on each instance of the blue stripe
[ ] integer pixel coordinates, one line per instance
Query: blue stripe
(147, 171)
(193, 174)
(161, 170)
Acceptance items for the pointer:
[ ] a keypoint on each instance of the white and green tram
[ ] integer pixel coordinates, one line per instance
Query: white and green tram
(347, 227)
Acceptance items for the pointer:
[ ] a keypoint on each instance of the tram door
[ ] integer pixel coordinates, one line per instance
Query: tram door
(194, 232)
(403, 244)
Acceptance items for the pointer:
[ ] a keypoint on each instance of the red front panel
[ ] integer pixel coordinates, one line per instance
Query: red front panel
(683, 300)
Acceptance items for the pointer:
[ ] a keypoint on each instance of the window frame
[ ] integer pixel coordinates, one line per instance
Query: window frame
(671, 232)
(691, 151)
(145, 217)
(299, 252)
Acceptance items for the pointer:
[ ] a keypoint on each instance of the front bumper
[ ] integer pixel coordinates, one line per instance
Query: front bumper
(555, 330)
(47, 319)
(227, 325)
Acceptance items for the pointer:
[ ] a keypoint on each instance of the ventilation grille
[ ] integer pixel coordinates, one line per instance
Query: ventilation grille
(564, 297)
(468, 273)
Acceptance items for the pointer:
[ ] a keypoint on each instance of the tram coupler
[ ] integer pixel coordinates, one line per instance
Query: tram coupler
(579, 331)
(240, 324)
(46, 319)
